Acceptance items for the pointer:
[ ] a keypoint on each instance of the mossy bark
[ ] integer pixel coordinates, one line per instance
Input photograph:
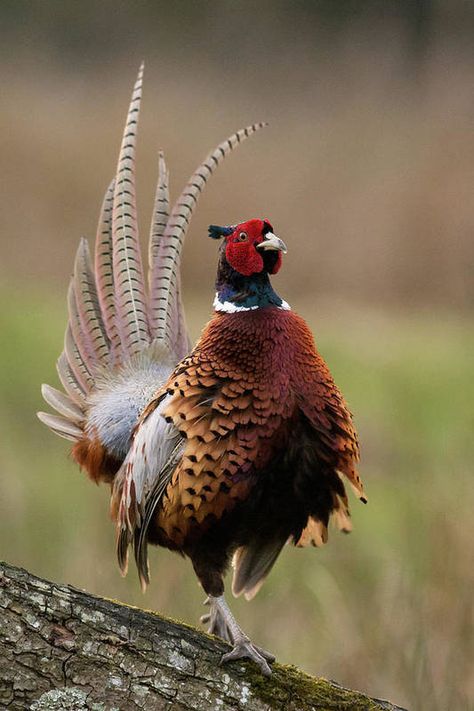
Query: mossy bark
(61, 648)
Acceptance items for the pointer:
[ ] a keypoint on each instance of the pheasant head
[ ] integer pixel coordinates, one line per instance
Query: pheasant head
(249, 253)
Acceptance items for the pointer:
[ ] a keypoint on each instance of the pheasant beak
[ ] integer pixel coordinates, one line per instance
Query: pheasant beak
(271, 241)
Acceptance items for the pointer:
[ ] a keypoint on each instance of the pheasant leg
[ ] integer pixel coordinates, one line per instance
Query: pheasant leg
(223, 623)
(217, 623)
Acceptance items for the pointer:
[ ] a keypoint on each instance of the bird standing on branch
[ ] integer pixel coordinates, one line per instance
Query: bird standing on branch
(224, 453)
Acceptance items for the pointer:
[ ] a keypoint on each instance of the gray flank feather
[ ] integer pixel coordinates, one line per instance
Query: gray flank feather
(121, 394)
(130, 302)
(164, 281)
(142, 480)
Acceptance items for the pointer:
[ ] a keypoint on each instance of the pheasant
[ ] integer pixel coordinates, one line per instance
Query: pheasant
(246, 445)
(224, 452)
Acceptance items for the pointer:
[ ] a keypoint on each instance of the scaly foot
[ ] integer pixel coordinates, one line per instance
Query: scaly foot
(223, 623)
(217, 623)
(244, 649)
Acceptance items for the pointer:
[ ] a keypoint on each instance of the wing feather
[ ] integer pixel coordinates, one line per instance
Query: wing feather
(141, 482)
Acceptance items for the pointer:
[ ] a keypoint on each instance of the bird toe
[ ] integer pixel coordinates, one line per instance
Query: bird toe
(246, 650)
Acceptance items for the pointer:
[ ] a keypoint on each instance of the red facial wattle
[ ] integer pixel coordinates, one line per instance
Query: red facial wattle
(244, 258)
(241, 248)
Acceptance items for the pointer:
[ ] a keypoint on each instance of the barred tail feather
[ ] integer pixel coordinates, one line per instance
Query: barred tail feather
(87, 303)
(69, 380)
(164, 279)
(130, 302)
(104, 270)
(182, 342)
(76, 362)
(160, 215)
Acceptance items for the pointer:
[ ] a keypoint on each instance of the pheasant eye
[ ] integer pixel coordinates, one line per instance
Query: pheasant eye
(242, 237)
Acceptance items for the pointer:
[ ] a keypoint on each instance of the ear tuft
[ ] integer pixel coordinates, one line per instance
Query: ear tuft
(216, 232)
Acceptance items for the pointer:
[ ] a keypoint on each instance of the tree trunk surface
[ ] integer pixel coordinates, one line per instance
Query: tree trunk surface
(61, 648)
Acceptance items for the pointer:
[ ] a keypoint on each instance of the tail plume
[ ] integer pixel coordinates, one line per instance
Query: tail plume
(87, 304)
(122, 338)
(164, 281)
(105, 272)
(130, 300)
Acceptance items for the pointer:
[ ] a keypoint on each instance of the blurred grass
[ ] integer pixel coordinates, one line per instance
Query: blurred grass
(387, 609)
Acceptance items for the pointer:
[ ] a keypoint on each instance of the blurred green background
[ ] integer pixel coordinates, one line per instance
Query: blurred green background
(366, 171)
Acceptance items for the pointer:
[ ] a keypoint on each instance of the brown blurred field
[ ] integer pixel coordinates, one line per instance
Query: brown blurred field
(366, 171)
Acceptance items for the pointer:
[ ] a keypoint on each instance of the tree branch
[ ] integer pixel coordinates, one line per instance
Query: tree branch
(61, 648)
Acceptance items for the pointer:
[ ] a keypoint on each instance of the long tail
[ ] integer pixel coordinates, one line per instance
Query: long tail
(166, 312)
(114, 318)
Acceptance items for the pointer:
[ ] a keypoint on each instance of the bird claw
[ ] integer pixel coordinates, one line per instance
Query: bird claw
(266, 655)
(244, 649)
(222, 623)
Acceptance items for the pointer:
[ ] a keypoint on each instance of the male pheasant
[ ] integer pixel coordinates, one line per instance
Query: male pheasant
(228, 454)
(257, 441)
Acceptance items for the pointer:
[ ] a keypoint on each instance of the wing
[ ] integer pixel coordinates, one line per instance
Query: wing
(230, 420)
(323, 405)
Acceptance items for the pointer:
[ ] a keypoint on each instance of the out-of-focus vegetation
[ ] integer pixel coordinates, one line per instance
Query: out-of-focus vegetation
(387, 609)
(366, 172)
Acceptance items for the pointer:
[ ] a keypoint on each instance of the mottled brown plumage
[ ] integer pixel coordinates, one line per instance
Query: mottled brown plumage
(234, 399)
